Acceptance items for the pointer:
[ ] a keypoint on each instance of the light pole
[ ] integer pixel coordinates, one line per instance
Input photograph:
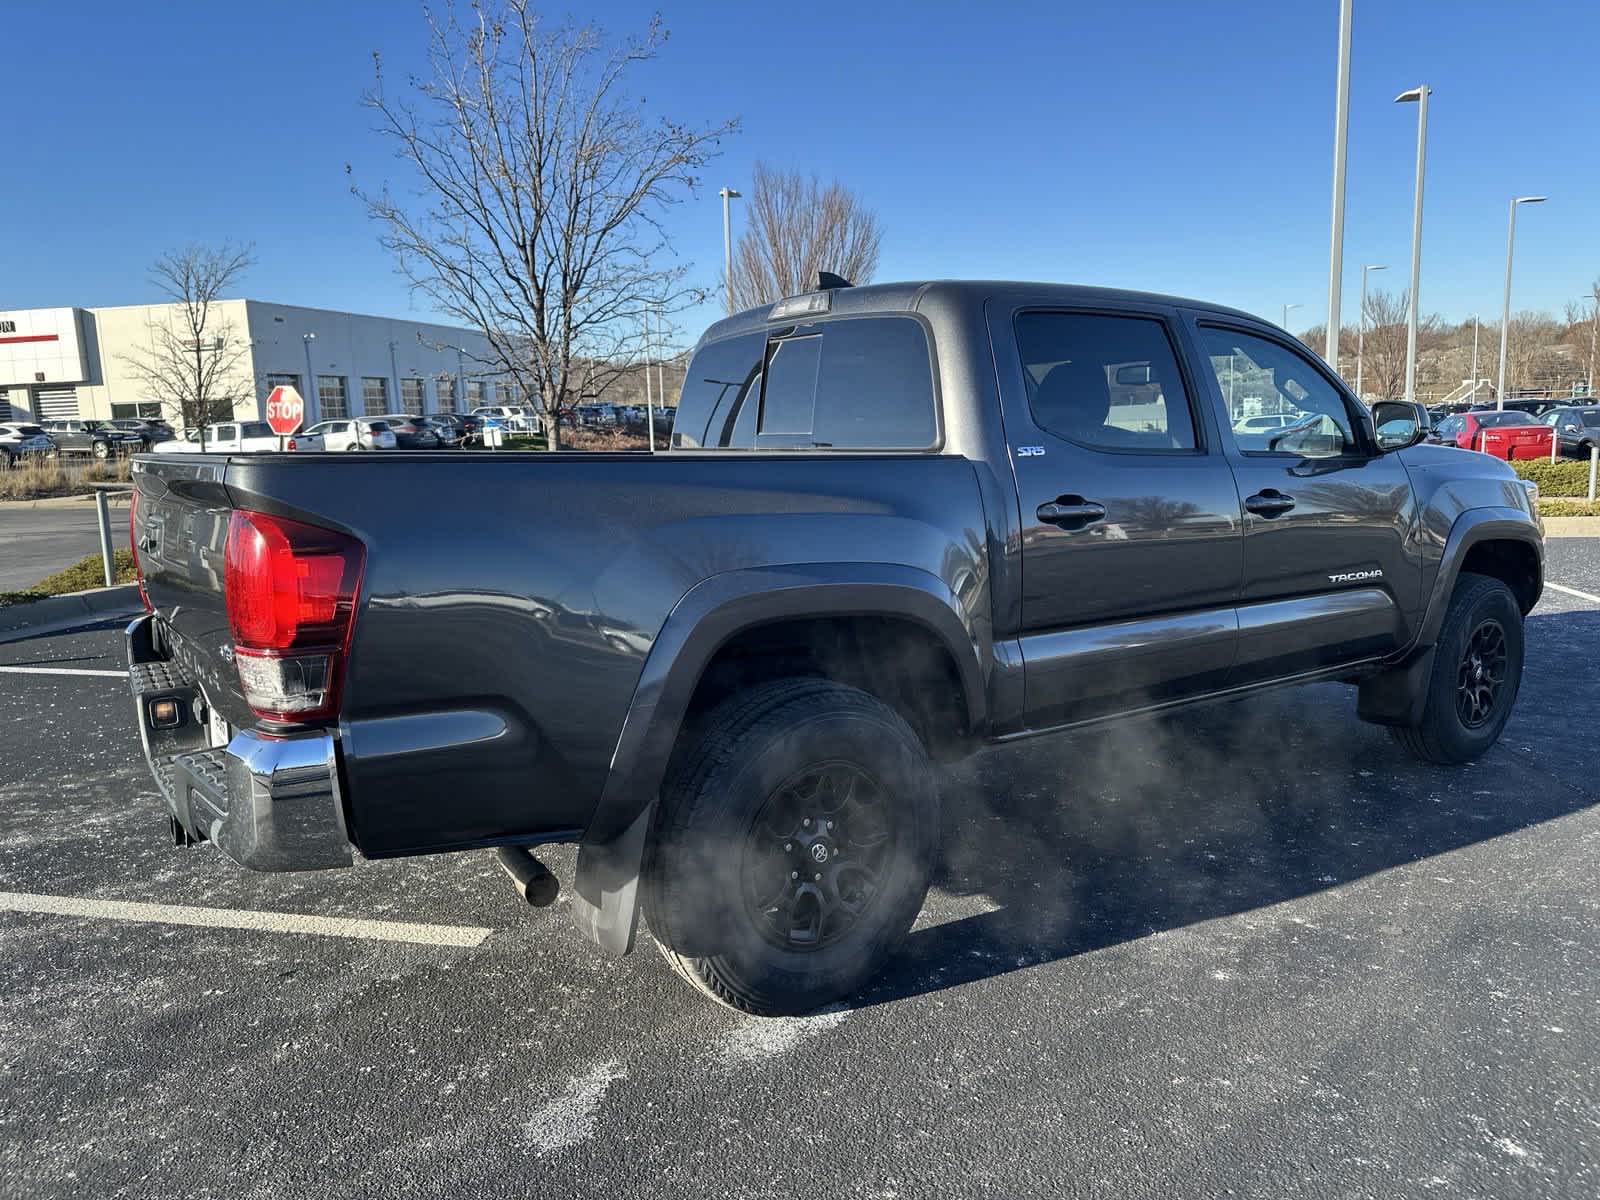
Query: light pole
(312, 398)
(1418, 95)
(727, 194)
(1361, 319)
(1505, 310)
(649, 404)
(1341, 122)
(1286, 309)
(1594, 333)
(394, 373)
(1474, 395)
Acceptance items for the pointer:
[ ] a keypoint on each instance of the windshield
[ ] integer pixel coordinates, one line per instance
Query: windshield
(1509, 417)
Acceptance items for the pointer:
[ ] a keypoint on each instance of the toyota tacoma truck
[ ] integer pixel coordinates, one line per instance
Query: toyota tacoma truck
(894, 523)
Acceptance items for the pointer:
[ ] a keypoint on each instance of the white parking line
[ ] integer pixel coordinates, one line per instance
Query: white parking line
(62, 671)
(233, 918)
(1589, 596)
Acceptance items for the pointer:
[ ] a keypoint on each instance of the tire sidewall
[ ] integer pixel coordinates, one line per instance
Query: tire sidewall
(700, 878)
(1488, 602)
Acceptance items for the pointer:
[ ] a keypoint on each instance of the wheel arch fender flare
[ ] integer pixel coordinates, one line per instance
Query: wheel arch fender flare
(1472, 528)
(611, 854)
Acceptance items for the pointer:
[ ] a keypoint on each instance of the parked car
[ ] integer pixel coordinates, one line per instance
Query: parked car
(1509, 434)
(516, 418)
(1577, 429)
(1263, 423)
(412, 433)
(355, 433)
(1533, 407)
(18, 443)
(148, 430)
(896, 523)
(96, 438)
(239, 437)
(442, 429)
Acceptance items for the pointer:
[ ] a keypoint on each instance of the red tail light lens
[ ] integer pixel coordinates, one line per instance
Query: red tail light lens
(291, 593)
(133, 548)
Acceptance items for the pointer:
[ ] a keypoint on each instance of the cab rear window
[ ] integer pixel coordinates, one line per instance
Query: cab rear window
(859, 383)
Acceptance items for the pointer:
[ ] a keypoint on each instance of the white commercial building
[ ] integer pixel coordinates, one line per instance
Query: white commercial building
(83, 362)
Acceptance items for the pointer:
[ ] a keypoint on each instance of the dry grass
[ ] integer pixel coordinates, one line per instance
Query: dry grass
(41, 478)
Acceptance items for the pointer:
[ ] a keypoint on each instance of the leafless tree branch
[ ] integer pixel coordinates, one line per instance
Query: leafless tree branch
(538, 218)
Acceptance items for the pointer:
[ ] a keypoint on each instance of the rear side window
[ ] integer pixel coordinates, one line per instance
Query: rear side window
(860, 383)
(1591, 418)
(256, 429)
(1107, 382)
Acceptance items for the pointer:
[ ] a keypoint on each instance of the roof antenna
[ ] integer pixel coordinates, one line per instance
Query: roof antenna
(827, 280)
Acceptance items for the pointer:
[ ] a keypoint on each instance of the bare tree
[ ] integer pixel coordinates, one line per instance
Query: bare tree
(1383, 359)
(195, 363)
(796, 228)
(539, 218)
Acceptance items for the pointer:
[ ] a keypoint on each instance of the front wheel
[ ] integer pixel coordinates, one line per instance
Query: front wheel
(794, 847)
(101, 450)
(1477, 670)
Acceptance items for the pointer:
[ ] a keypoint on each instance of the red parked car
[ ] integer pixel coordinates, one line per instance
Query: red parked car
(1505, 434)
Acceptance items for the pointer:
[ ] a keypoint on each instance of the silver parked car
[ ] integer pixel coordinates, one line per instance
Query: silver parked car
(355, 433)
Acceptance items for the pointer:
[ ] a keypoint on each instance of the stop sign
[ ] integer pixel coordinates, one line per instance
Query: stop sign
(285, 410)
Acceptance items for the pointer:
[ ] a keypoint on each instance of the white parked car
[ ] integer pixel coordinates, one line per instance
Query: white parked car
(517, 418)
(1265, 423)
(354, 433)
(22, 442)
(238, 437)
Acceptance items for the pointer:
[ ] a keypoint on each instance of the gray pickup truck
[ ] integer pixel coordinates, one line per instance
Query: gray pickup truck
(894, 523)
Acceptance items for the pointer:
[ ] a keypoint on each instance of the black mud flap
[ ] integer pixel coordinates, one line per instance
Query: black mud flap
(1397, 696)
(605, 892)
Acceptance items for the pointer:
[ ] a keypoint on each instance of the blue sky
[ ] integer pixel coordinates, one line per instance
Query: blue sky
(1178, 147)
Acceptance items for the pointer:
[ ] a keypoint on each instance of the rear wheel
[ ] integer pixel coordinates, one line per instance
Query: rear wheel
(1477, 669)
(794, 848)
(352, 446)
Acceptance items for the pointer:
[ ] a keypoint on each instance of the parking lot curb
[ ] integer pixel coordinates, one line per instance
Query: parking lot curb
(59, 614)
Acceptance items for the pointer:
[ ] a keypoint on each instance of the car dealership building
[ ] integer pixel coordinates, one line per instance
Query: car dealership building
(83, 362)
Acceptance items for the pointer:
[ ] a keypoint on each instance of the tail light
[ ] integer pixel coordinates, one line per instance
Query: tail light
(133, 549)
(291, 444)
(291, 593)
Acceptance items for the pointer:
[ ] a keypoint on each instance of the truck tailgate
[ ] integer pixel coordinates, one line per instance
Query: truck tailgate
(179, 531)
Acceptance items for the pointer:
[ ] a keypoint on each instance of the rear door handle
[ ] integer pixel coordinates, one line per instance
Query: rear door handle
(1070, 512)
(1269, 502)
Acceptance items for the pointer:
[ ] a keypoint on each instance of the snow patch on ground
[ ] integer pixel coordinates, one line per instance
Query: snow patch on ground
(758, 1038)
(569, 1118)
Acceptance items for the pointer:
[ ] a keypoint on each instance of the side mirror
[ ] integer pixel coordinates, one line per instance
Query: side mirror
(1133, 375)
(1399, 424)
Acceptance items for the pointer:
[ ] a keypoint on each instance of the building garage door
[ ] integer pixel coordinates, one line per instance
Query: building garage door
(55, 404)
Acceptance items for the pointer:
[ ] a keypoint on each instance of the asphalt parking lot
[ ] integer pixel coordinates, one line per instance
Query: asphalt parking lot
(1254, 950)
(36, 541)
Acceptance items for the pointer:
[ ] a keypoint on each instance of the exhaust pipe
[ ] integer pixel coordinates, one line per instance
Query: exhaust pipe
(532, 879)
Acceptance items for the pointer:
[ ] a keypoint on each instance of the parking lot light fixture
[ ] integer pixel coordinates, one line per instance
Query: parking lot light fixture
(312, 399)
(1418, 96)
(727, 194)
(1361, 319)
(1286, 309)
(1505, 309)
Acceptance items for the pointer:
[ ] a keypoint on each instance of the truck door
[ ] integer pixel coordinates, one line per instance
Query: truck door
(1131, 545)
(1332, 572)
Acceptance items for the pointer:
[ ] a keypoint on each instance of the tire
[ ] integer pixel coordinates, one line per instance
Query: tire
(353, 446)
(1445, 733)
(102, 450)
(758, 795)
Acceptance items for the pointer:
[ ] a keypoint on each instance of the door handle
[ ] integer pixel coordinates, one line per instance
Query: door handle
(1070, 512)
(1269, 502)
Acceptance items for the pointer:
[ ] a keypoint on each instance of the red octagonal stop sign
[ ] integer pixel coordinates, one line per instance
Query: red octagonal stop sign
(285, 410)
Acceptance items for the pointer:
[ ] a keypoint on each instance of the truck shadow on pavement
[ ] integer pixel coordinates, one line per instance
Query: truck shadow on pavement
(1084, 841)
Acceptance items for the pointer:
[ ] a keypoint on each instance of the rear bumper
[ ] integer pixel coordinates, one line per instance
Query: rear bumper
(269, 803)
